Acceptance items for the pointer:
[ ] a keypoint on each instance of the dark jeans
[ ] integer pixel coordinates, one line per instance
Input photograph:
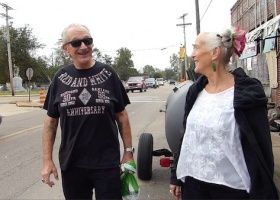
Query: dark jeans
(196, 189)
(78, 183)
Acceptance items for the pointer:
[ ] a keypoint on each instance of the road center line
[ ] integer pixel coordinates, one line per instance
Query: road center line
(20, 132)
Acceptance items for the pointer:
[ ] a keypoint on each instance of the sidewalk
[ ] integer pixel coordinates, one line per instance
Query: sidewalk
(18, 106)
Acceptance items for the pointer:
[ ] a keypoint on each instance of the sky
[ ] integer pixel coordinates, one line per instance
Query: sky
(148, 28)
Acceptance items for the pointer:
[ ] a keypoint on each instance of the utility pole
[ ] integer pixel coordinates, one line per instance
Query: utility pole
(275, 7)
(197, 17)
(5, 6)
(184, 26)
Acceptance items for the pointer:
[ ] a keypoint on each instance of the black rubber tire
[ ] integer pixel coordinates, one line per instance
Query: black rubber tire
(145, 157)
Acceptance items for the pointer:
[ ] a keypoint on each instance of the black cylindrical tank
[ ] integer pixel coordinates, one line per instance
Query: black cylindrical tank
(175, 106)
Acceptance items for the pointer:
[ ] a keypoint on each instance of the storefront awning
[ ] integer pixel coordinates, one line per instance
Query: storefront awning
(264, 30)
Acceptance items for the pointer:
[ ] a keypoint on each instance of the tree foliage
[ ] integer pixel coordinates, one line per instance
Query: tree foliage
(158, 75)
(97, 55)
(56, 60)
(170, 74)
(174, 62)
(23, 54)
(149, 70)
(123, 64)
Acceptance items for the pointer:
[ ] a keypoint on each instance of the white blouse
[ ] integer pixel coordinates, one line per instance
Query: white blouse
(211, 150)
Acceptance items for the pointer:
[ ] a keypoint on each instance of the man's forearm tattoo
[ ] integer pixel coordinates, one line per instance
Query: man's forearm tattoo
(120, 125)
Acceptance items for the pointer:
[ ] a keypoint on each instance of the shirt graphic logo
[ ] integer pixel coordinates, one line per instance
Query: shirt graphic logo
(85, 96)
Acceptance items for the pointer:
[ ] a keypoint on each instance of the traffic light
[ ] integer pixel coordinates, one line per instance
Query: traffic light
(182, 53)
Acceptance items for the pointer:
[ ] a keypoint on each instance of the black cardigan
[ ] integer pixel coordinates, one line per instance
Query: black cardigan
(250, 110)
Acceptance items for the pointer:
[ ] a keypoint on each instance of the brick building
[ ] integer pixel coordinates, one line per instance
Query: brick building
(261, 56)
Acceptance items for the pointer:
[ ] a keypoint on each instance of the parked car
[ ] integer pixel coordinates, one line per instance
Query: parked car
(135, 83)
(151, 83)
(171, 82)
(160, 81)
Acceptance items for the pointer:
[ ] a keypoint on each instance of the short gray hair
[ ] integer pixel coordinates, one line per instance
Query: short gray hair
(64, 36)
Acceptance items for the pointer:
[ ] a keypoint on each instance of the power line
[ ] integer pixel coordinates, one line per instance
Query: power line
(206, 10)
(149, 49)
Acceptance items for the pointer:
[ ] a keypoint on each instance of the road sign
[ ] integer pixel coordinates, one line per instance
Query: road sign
(29, 73)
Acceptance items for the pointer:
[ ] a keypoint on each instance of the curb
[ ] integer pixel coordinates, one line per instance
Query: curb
(27, 104)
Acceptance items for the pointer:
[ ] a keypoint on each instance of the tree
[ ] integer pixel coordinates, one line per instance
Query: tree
(59, 58)
(97, 55)
(149, 70)
(123, 64)
(102, 58)
(107, 59)
(23, 53)
(158, 75)
(174, 62)
(40, 69)
(170, 74)
(4, 70)
(56, 60)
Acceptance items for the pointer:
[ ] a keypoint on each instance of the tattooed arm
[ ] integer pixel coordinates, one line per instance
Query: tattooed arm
(49, 133)
(125, 131)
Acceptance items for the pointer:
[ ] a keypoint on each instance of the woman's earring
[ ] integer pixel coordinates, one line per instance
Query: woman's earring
(214, 67)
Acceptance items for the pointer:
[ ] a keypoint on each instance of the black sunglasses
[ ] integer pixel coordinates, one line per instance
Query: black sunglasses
(77, 43)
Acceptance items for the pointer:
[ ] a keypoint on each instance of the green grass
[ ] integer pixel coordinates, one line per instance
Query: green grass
(32, 92)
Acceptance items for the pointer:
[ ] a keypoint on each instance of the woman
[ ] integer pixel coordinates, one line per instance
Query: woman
(226, 151)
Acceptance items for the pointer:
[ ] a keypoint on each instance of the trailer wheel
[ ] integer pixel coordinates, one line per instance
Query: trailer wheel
(145, 157)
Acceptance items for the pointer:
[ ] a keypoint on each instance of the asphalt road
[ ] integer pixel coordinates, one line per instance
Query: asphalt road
(20, 148)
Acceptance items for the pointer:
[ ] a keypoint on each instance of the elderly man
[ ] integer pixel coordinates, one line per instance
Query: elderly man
(89, 101)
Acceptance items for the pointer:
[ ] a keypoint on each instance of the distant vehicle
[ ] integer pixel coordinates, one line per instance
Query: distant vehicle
(160, 81)
(135, 83)
(171, 82)
(151, 83)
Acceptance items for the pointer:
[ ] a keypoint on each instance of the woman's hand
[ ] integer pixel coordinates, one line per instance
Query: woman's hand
(175, 191)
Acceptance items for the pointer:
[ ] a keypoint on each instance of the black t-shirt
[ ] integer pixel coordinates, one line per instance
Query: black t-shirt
(85, 101)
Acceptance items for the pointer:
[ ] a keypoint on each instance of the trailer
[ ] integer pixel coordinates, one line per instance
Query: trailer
(174, 113)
